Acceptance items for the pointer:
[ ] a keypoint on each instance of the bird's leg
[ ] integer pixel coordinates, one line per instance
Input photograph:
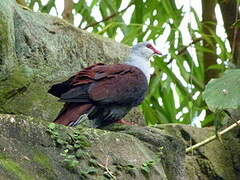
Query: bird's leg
(125, 122)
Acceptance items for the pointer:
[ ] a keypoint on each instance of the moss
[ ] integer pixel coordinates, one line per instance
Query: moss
(20, 94)
(34, 101)
(42, 160)
(46, 169)
(15, 83)
(14, 169)
(146, 168)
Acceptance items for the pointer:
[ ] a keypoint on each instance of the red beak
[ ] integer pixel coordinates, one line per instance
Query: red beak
(156, 51)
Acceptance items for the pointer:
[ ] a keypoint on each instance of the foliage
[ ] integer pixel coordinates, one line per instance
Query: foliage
(146, 166)
(177, 84)
(223, 93)
(74, 145)
(77, 158)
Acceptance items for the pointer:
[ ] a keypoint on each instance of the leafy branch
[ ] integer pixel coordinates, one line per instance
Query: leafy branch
(108, 17)
(184, 49)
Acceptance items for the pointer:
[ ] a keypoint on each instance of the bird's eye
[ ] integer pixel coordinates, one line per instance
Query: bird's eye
(149, 46)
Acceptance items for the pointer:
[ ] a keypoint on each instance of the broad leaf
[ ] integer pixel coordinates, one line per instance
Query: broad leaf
(223, 93)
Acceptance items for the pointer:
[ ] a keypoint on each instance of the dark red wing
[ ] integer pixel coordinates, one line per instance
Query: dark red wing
(117, 83)
(87, 75)
(83, 77)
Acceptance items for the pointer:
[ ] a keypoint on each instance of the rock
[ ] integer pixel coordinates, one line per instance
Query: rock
(214, 160)
(32, 149)
(38, 50)
(172, 150)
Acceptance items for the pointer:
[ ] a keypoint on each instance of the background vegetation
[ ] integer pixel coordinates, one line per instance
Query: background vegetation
(180, 76)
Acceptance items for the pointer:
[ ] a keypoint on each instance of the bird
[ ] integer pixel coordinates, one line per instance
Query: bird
(106, 93)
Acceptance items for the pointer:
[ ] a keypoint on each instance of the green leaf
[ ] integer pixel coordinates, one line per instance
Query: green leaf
(93, 162)
(71, 163)
(223, 93)
(145, 170)
(51, 126)
(92, 170)
(81, 154)
(209, 120)
(216, 66)
(60, 141)
(236, 24)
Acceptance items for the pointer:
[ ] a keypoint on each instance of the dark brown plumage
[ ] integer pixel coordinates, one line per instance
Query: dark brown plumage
(105, 92)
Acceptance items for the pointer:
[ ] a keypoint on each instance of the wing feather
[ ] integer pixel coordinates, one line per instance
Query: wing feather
(105, 84)
(126, 84)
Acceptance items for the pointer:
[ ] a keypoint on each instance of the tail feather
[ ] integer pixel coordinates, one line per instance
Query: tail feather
(60, 88)
(71, 112)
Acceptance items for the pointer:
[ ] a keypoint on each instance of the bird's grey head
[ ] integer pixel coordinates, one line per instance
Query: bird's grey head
(145, 49)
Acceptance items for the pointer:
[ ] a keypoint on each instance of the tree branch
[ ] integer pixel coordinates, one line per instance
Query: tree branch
(230, 13)
(67, 12)
(209, 29)
(184, 49)
(21, 2)
(108, 17)
(208, 140)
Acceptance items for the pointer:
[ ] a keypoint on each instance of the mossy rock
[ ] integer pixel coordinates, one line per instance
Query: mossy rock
(41, 150)
(38, 50)
(211, 161)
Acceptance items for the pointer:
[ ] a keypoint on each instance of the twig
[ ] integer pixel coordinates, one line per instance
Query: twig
(235, 31)
(108, 17)
(191, 148)
(231, 117)
(24, 7)
(106, 168)
(182, 50)
(21, 2)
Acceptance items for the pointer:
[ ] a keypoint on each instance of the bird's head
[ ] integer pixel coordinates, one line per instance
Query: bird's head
(145, 49)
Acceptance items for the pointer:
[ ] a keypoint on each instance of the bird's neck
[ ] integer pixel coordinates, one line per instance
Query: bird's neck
(140, 62)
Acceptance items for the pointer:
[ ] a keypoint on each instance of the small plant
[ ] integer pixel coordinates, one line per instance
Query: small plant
(70, 161)
(74, 144)
(159, 154)
(146, 167)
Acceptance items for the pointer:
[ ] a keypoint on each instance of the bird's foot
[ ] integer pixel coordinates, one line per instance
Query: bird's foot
(125, 122)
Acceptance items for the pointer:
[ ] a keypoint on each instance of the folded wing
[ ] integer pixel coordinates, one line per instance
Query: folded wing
(106, 84)
(99, 87)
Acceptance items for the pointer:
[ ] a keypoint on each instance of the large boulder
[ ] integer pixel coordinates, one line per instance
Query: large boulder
(33, 149)
(215, 160)
(37, 50)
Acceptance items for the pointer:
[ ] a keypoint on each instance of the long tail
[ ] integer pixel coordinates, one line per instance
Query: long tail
(71, 112)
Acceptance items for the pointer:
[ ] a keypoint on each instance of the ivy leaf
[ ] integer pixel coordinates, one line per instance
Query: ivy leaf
(92, 170)
(223, 93)
(93, 162)
(51, 126)
(145, 170)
